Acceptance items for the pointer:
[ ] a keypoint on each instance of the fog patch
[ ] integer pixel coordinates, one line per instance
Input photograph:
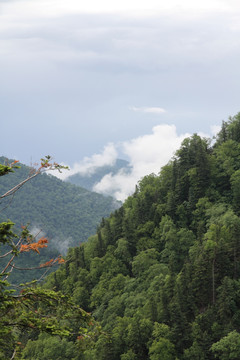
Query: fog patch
(59, 243)
(62, 245)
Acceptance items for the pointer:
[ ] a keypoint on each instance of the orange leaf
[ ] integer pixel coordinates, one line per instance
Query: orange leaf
(48, 263)
(43, 240)
(34, 246)
(61, 260)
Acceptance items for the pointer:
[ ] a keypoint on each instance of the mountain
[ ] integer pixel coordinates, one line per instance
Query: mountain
(65, 213)
(162, 274)
(95, 174)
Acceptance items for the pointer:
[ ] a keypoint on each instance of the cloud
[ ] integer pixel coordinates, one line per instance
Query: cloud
(37, 232)
(89, 165)
(61, 243)
(75, 74)
(147, 154)
(152, 110)
(215, 129)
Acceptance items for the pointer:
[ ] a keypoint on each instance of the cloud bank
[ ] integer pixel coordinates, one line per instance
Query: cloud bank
(147, 154)
(89, 165)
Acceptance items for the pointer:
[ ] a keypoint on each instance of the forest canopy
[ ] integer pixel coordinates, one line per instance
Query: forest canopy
(161, 275)
(64, 213)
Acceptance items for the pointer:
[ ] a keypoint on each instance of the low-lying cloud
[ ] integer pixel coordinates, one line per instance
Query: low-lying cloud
(146, 154)
(59, 243)
(62, 245)
(89, 165)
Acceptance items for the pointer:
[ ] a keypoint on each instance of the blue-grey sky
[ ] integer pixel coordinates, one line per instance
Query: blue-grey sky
(76, 77)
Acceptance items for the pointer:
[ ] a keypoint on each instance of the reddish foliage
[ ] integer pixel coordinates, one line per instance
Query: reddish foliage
(51, 262)
(34, 246)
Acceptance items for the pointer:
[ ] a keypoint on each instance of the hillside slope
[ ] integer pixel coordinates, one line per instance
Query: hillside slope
(162, 273)
(66, 214)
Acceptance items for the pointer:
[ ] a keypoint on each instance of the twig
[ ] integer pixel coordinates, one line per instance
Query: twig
(13, 355)
(33, 268)
(8, 273)
(8, 204)
(17, 187)
(9, 252)
(43, 275)
(8, 264)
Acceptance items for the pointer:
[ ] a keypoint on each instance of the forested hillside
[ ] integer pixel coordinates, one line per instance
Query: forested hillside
(65, 213)
(162, 273)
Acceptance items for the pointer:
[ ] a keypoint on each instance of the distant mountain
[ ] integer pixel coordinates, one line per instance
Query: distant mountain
(66, 213)
(94, 176)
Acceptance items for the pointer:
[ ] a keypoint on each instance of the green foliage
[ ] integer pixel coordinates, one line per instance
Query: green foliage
(28, 310)
(162, 349)
(228, 347)
(61, 210)
(46, 348)
(162, 273)
(64, 213)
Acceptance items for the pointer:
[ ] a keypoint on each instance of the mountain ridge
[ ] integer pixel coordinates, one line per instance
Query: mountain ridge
(64, 213)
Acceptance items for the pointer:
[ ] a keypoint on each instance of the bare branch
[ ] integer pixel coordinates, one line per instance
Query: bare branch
(10, 261)
(17, 187)
(9, 252)
(8, 274)
(13, 355)
(43, 275)
(8, 204)
(8, 264)
(35, 267)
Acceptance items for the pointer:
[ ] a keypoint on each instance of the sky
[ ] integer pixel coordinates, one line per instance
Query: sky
(89, 82)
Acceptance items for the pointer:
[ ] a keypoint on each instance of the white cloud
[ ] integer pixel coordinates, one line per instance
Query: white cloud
(62, 244)
(147, 154)
(37, 232)
(89, 164)
(215, 129)
(76, 69)
(152, 110)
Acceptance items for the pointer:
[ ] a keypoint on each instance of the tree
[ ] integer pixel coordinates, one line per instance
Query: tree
(46, 348)
(228, 347)
(161, 347)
